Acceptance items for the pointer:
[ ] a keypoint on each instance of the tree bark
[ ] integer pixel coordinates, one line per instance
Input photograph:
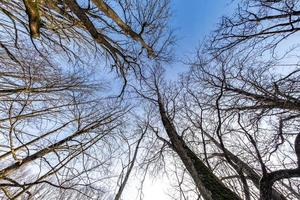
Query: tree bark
(32, 11)
(210, 187)
(251, 174)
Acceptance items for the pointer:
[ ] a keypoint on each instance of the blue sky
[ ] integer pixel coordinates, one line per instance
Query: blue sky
(192, 21)
(196, 18)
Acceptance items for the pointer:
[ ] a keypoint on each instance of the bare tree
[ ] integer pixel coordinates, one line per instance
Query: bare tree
(256, 25)
(229, 129)
(208, 184)
(121, 33)
(53, 121)
(255, 102)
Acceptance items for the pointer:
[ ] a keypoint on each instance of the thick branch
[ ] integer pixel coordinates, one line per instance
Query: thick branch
(32, 11)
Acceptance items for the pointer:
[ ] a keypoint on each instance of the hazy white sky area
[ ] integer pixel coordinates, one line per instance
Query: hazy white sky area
(154, 189)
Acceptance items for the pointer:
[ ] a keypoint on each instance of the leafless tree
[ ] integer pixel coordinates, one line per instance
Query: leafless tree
(228, 129)
(54, 118)
(250, 100)
(165, 100)
(53, 122)
(120, 33)
(256, 25)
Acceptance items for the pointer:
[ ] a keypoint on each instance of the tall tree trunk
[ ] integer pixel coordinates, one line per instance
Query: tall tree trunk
(210, 187)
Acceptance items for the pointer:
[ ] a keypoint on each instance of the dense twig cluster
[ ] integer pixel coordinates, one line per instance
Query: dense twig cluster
(226, 129)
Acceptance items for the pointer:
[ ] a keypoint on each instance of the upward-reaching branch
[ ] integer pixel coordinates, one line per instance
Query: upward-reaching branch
(32, 10)
(109, 12)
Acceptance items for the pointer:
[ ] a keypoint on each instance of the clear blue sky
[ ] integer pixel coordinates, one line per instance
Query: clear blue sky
(192, 21)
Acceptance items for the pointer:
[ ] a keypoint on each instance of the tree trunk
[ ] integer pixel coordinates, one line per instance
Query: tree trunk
(251, 174)
(265, 189)
(210, 187)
